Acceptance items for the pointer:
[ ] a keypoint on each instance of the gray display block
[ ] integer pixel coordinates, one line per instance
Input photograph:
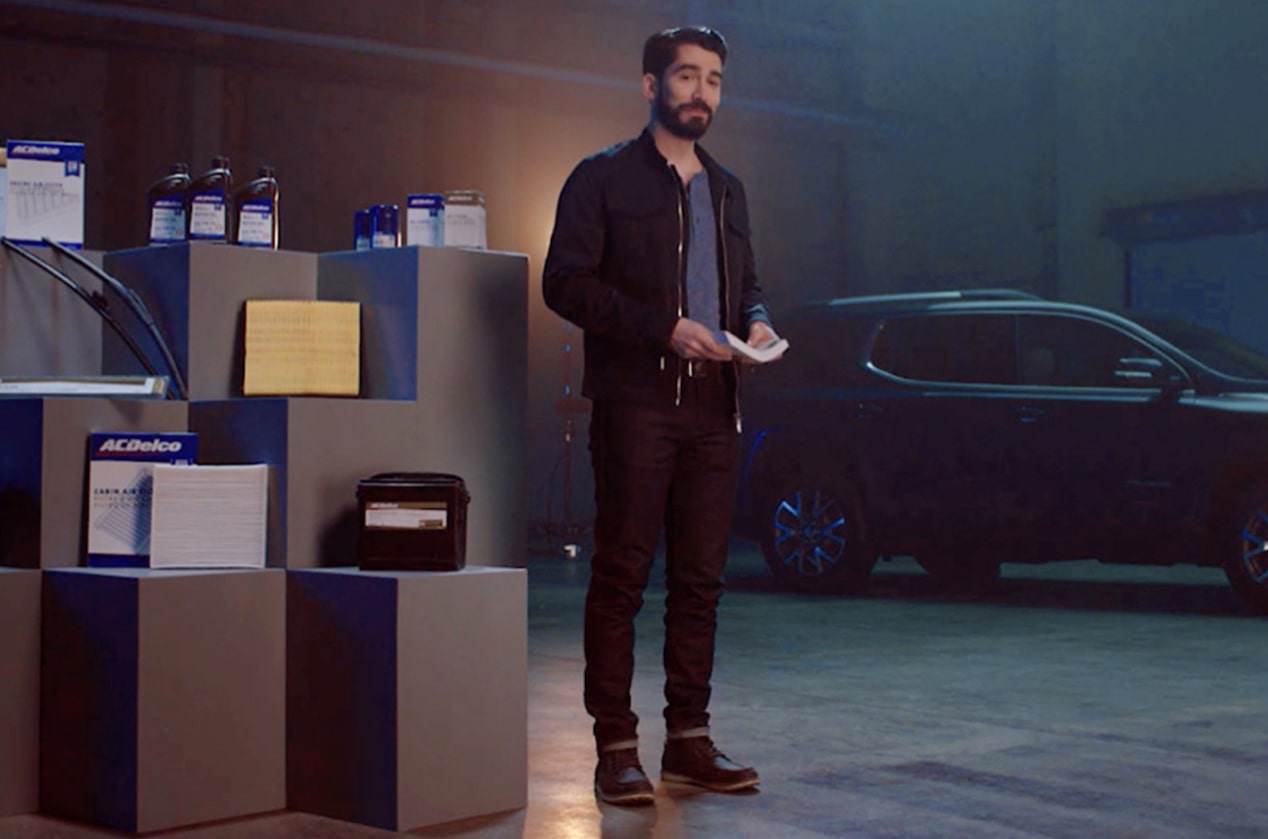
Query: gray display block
(19, 691)
(448, 328)
(44, 468)
(162, 696)
(317, 450)
(47, 330)
(407, 694)
(196, 292)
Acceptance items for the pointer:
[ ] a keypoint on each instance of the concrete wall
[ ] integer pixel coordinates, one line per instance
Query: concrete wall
(1023, 123)
(962, 193)
(1153, 106)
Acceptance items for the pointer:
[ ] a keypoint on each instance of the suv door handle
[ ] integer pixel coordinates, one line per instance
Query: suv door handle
(868, 410)
(1030, 414)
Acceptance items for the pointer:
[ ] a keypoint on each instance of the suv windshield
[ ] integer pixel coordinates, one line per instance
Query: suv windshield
(1214, 349)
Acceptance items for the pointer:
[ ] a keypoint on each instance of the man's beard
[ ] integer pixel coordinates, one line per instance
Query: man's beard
(692, 128)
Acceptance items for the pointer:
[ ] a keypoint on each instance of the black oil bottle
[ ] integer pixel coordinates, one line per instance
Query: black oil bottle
(209, 197)
(255, 211)
(165, 202)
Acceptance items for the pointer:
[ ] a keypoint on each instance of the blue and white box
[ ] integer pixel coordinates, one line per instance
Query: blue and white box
(121, 490)
(425, 220)
(45, 195)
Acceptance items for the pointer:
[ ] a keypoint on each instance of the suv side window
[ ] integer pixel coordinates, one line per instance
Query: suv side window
(827, 354)
(1064, 351)
(970, 348)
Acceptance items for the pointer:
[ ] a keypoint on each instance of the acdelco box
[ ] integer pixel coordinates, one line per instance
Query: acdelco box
(425, 219)
(412, 521)
(121, 488)
(45, 194)
(465, 219)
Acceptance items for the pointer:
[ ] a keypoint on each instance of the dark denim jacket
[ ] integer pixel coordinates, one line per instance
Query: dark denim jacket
(617, 268)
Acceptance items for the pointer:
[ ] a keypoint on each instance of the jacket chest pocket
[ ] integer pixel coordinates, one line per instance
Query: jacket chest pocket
(642, 235)
(636, 208)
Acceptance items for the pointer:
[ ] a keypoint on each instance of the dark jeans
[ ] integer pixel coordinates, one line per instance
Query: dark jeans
(654, 466)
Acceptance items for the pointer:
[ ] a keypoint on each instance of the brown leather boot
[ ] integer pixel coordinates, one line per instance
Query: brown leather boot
(619, 779)
(696, 761)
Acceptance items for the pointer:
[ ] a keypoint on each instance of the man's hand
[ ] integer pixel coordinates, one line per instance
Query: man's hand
(693, 340)
(759, 333)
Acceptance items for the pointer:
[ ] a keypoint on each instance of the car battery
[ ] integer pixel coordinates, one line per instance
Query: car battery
(412, 521)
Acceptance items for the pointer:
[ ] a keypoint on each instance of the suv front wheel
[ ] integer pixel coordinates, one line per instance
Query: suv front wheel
(1246, 554)
(814, 536)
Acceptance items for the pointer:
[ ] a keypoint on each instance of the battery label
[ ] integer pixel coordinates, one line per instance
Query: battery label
(406, 515)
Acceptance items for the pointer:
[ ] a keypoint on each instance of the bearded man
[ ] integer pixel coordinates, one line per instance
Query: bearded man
(651, 258)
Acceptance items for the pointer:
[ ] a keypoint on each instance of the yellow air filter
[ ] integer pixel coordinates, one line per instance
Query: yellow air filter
(302, 348)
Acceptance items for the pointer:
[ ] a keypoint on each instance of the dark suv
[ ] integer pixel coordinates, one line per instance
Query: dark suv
(973, 427)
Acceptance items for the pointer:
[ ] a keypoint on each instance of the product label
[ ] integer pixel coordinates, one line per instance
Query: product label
(255, 224)
(405, 515)
(425, 220)
(383, 240)
(207, 216)
(167, 221)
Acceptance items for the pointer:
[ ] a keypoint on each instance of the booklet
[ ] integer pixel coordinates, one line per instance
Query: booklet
(769, 351)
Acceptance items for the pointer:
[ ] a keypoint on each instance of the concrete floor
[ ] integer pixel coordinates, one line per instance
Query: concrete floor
(1072, 700)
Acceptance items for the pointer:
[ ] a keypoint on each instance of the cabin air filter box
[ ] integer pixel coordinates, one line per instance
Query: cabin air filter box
(45, 192)
(120, 491)
(412, 521)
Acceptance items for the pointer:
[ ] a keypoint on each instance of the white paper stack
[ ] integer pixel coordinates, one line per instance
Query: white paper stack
(209, 516)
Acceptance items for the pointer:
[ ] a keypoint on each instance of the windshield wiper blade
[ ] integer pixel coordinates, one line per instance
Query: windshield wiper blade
(137, 305)
(94, 301)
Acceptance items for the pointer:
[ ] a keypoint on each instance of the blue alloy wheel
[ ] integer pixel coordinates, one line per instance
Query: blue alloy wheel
(1247, 567)
(814, 537)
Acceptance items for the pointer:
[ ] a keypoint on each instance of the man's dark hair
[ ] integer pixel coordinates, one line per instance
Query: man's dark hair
(661, 49)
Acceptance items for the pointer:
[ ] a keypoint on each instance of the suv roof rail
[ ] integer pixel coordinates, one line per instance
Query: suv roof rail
(937, 296)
